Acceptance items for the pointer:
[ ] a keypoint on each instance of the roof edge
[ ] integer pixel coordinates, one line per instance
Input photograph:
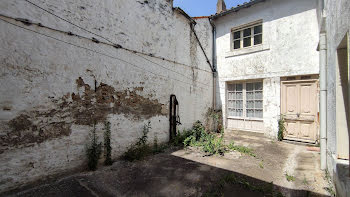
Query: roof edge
(235, 9)
(185, 14)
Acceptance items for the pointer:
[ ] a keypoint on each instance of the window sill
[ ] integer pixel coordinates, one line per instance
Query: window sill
(249, 119)
(247, 50)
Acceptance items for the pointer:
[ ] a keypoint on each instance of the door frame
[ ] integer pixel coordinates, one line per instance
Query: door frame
(298, 79)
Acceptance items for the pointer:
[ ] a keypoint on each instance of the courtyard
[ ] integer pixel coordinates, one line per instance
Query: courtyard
(275, 169)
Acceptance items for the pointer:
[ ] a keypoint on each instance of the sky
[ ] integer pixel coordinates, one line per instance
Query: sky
(203, 7)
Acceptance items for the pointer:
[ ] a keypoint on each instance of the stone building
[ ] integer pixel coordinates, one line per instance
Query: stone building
(68, 64)
(268, 65)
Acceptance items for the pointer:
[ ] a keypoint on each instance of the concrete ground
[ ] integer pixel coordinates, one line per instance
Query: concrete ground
(188, 172)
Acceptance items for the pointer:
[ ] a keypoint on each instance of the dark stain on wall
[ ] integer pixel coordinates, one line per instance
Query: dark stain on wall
(93, 105)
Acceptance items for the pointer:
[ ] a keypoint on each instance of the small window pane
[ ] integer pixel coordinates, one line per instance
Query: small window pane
(239, 104)
(239, 95)
(239, 87)
(231, 87)
(236, 35)
(247, 32)
(250, 104)
(258, 104)
(250, 113)
(247, 42)
(258, 86)
(237, 44)
(259, 95)
(258, 113)
(250, 95)
(258, 29)
(250, 86)
(257, 39)
(239, 112)
(233, 105)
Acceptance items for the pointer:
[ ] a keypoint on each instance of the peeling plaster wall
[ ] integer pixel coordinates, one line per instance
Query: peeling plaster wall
(52, 92)
(290, 39)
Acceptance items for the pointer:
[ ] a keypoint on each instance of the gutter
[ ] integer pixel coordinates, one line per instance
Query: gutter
(323, 99)
(214, 62)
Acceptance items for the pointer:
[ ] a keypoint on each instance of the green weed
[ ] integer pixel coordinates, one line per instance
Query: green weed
(290, 178)
(93, 149)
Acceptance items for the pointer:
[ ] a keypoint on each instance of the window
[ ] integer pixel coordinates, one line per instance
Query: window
(245, 100)
(248, 36)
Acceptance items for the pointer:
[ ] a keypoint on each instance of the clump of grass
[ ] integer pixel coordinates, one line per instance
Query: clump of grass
(244, 150)
(141, 148)
(93, 149)
(261, 165)
(290, 178)
(330, 188)
(107, 144)
(209, 142)
(281, 128)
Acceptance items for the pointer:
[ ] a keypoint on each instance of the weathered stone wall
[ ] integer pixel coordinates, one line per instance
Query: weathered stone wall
(55, 85)
(337, 26)
(290, 39)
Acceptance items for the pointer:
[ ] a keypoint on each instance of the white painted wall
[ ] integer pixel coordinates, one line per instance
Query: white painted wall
(290, 39)
(39, 74)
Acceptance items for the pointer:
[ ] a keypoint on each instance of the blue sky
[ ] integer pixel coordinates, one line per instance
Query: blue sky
(203, 7)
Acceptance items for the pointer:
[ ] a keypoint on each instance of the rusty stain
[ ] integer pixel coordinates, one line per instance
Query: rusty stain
(91, 106)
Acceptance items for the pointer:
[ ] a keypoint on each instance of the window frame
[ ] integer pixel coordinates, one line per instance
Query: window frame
(244, 100)
(241, 29)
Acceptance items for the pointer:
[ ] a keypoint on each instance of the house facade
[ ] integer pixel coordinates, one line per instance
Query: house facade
(268, 65)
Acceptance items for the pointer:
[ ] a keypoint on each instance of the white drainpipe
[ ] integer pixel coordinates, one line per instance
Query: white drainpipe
(323, 100)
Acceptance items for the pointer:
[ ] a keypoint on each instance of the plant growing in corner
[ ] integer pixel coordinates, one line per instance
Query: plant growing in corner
(107, 144)
(93, 149)
(281, 128)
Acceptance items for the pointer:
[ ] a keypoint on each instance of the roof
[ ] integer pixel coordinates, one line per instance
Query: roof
(184, 14)
(200, 17)
(237, 8)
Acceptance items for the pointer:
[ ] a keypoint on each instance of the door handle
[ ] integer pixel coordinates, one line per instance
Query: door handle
(298, 115)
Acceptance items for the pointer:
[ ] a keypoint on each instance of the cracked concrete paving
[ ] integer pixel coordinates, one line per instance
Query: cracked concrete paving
(187, 172)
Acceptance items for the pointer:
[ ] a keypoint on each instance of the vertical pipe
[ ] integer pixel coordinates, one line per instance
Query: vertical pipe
(323, 100)
(214, 62)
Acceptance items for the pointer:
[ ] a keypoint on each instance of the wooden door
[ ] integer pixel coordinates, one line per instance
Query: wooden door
(299, 108)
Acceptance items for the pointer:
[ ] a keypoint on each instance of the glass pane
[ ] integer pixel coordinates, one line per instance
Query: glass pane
(246, 42)
(258, 29)
(233, 104)
(237, 44)
(236, 35)
(259, 95)
(239, 87)
(233, 112)
(239, 112)
(247, 32)
(250, 95)
(258, 104)
(231, 87)
(250, 86)
(239, 104)
(239, 95)
(233, 95)
(258, 39)
(250, 104)
(258, 86)
(258, 113)
(250, 113)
